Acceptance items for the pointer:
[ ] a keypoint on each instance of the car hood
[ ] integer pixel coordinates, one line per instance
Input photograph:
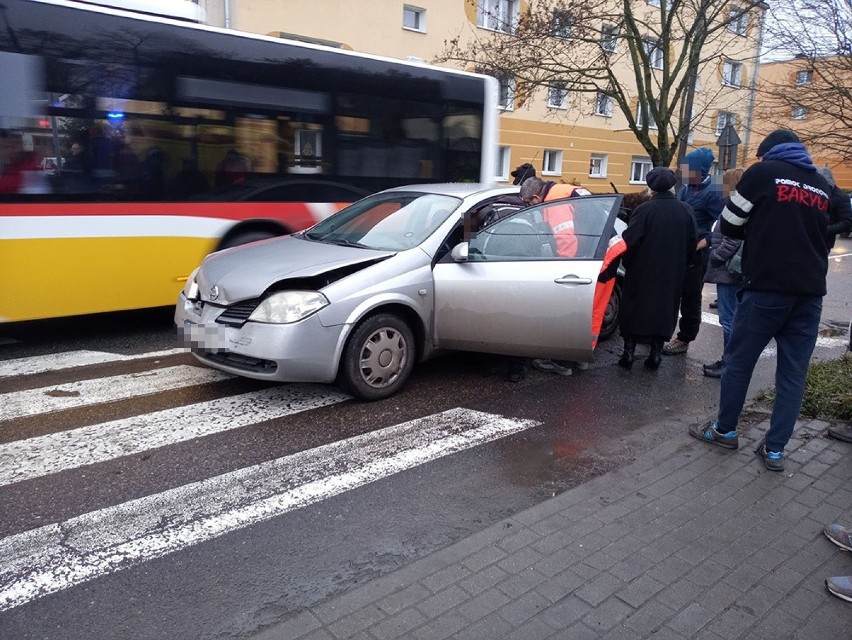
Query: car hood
(247, 271)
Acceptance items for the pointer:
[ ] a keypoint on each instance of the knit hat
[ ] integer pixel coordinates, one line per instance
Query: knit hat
(522, 172)
(779, 136)
(660, 179)
(700, 161)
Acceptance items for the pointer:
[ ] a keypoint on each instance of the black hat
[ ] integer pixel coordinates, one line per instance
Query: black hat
(779, 136)
(522, 172)
(661, 179)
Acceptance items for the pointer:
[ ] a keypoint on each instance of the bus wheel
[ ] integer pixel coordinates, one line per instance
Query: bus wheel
(378, 357)
(244, 237)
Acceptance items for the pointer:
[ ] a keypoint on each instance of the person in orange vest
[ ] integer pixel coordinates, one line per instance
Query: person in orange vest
(561, 218)
(561, 221)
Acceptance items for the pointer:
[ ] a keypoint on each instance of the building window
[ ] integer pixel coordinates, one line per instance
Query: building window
(654, 53)
(506, 94)
(640, 120)
(609, 37)
(805, 77)
(552, 165)
(654, 3)
(738, 21)
(557, 96)
(603, 104)
(800, 113)
(414, 18)
(597, 165)
(732, 73)
(503, 156)
(562, 24)
(639, 168)
(497, 15)
(725, 118)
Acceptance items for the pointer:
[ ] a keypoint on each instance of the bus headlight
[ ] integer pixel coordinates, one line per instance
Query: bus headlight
(190, 289)
(285, 307)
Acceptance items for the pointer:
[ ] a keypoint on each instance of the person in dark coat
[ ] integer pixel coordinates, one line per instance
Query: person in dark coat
(661, 238)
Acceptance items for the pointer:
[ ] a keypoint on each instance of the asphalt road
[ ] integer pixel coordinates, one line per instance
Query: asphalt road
(143, 496)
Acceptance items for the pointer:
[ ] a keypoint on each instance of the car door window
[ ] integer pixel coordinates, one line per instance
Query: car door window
(544, 231)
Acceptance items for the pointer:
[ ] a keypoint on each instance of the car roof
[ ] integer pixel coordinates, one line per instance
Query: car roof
(458, 189)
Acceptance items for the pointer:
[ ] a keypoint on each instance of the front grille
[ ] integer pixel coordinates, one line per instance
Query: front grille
(237, 361)
(237, 314)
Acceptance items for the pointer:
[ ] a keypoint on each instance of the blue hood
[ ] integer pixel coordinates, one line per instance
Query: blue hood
(792, 152)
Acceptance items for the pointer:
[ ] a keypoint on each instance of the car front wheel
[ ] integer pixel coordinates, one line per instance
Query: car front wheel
(378, 357)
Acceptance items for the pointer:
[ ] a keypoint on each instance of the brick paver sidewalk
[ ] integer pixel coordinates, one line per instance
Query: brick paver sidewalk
(690, 541)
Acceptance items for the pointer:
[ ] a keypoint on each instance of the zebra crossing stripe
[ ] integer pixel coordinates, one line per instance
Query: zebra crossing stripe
(822, 341)
(88, 392)
(26, 459)
(69, 359)
(58, 556)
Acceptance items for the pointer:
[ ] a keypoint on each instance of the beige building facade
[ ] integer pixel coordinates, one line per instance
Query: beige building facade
(569, 138)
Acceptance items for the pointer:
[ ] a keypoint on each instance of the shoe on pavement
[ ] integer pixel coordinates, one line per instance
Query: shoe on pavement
(675, 347)
(549, 366)
(772, 460)
(707, 433)
(841, 586)
(839, 535)
(713, 370)
(840, 432)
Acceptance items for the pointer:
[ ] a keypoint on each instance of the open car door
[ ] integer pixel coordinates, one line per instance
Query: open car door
(509, 291)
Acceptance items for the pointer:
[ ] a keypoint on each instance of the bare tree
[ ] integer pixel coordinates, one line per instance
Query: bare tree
(642, 55)
(817, 35)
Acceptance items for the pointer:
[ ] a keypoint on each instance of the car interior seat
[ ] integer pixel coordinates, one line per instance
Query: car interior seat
(515, 238)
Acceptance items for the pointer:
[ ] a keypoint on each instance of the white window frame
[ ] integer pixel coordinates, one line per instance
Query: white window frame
(732, 74)
(639, 168)
(805, 76)
(609, 38)
(602, 160)
(653, 3)
(504, 155)
(420, 18)
(738, 22)
(562, 89)
(298, 142)
(725, 118)
(498, 15)
(799, 113)
(506, 94)
(564, 30)
(603, 99)
(652, 124)
(552, 163)
(654, 53)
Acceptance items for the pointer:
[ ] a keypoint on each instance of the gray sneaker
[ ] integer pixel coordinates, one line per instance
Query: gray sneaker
(707, 433)
(840, 586)
(675, 347)
(551, 366)
(839, 535)
(772, 460)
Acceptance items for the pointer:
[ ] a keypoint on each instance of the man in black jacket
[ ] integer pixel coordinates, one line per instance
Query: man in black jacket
(781, 208)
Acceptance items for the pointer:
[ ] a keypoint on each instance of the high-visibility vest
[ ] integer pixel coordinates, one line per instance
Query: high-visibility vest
(603, 290)
(561, 218)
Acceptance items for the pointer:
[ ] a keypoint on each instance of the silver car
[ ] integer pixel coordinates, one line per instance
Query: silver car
(394, 278)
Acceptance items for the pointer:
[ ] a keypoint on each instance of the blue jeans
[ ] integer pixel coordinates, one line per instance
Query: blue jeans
(794, 323)
(727, 297)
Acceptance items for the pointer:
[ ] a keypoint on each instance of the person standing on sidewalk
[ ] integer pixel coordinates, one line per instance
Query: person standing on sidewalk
(660, 239)
(781, 210)
(724, 270)
(701, 193)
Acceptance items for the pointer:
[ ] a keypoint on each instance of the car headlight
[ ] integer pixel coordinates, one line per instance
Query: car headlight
(190, 289)
(285, 307)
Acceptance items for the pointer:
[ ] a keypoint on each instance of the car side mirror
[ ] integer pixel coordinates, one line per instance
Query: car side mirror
(460, 252)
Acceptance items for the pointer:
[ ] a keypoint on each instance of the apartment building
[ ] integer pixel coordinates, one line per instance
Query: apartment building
(582, 139)
(794, 94)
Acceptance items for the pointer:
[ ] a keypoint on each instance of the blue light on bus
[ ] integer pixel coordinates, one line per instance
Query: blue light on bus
(115, 116)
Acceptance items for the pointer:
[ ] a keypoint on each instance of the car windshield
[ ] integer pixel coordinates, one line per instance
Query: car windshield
(392, 221)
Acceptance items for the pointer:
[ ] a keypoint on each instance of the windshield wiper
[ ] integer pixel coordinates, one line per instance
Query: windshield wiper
(343, 242)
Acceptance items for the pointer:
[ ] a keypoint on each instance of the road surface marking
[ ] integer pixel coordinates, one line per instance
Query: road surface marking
(822, 341)
(88, 392)
(58, 556)
(55, 452)
(69, 359)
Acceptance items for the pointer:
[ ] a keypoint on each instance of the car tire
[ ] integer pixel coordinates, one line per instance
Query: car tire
(244, 238)
(613, 310)
(378, 357)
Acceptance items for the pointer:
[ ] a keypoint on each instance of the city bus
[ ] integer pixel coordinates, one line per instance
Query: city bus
(131, 146)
